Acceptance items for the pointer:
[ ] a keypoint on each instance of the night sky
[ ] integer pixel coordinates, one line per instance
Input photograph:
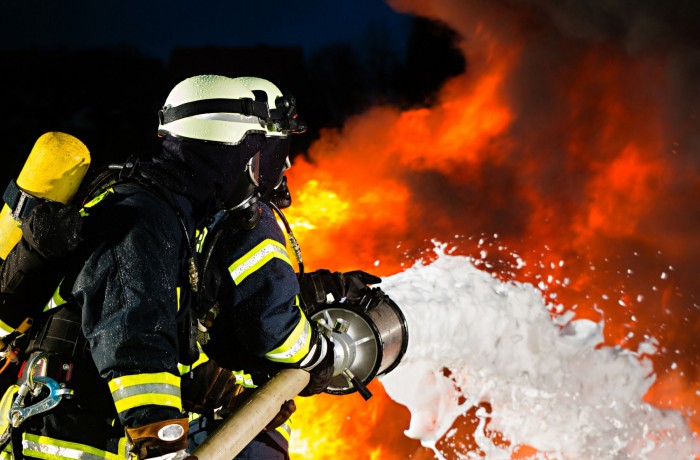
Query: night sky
(101, 70)
(155, 27)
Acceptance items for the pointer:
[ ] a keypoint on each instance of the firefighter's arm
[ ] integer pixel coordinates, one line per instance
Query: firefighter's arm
(308, 349)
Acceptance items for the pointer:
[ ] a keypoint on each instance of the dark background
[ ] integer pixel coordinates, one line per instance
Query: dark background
(102, 72)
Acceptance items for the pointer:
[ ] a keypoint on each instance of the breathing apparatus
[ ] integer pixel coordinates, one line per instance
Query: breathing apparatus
(53, 171)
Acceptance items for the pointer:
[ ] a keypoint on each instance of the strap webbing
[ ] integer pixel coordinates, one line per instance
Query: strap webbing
(20, 202)
(244, 106)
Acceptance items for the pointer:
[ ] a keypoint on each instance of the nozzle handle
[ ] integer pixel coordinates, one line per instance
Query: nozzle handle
(357, 383)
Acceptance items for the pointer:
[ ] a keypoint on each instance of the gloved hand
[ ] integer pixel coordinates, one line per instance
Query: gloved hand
(165, 439)
(319, 363)
(286, 411)
(210, 387)
(212, 391)
(325, 287)
(53, 229)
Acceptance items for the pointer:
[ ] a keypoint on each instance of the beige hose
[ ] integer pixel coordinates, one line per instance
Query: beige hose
(243, 425)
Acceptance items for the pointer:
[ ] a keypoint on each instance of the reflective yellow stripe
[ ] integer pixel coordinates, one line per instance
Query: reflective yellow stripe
(5, 329)
(5, 404)
(244, 379)
(22, 328)
(177, 294)
(203, 358)
(56, 299)
(256, 258)
(121, 448)
(285, 429)
(296, 346)
(48, 448)
(98, 198)
(199, 238)
(160, 389)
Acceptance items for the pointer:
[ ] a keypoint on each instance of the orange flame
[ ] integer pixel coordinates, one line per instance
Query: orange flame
(551, 161)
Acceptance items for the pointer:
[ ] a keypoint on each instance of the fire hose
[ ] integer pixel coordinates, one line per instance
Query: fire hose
(242, 426)
(369, 339)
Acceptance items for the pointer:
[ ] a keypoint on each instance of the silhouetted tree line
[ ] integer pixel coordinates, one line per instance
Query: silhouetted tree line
(109, 98)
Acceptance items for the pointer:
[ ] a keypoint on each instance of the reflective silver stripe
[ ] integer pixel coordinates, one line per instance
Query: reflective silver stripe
(48, 448)
(244, 379)
(146, 388)
(294, 349)
(306, 365)
(242, 268)
(285, 430)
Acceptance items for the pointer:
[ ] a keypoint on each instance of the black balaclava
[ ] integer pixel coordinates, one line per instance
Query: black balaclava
(204, 172)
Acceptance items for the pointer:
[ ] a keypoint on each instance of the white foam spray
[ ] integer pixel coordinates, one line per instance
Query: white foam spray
(550, 382)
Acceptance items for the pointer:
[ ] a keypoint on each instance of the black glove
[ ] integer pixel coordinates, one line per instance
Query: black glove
(212, 391)
(326, 287)
(286, 411)
(53, 229)
(319, 363)
(210, 387)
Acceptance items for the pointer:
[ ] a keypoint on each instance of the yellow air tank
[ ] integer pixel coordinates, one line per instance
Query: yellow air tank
(54, 170)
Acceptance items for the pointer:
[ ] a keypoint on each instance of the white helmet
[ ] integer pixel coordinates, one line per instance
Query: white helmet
(212, 108)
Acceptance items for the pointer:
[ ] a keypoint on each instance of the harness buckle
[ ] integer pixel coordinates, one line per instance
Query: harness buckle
(34, 385)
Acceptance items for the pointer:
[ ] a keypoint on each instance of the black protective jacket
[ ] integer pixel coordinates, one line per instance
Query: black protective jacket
(260, 324)
(128, 284)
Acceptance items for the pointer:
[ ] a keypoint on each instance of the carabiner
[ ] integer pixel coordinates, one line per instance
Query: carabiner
(19, 413)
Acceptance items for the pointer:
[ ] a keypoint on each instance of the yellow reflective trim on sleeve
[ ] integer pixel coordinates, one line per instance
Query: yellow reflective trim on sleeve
(53, 449)
(256, 258)
(285, 429)
(243, 379)
(122, 447)
(160, 389)
(296, 346)
(143, 379)
(203, 358)
(148, 399)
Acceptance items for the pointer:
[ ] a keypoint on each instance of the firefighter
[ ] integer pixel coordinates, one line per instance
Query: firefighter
(102, 378)
(253, 320)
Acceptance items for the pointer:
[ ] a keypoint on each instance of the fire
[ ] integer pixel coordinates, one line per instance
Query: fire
(553, 160)
(347, 426)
